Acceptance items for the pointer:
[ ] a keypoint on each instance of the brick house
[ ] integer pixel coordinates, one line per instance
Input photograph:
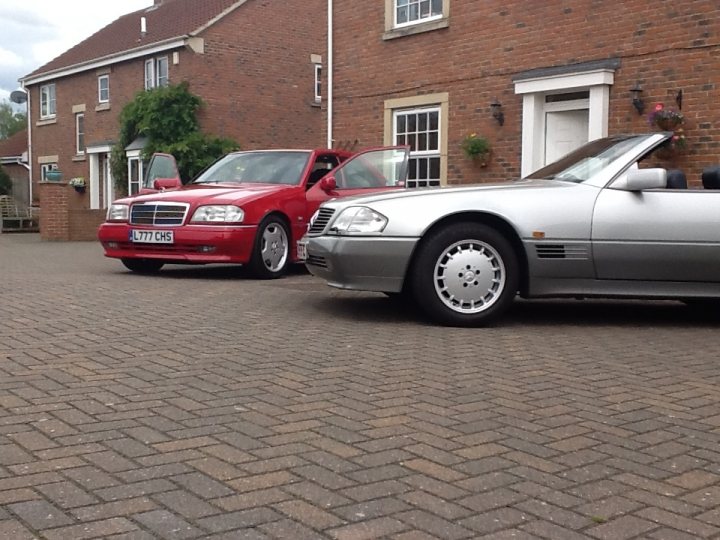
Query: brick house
(254, 63)
(14, 160)
(558, 74)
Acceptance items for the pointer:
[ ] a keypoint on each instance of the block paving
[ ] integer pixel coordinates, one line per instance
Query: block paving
(202, 404)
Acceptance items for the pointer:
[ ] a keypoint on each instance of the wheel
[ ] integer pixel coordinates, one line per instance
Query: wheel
(271, 251)
(143, 266)
(465, 275)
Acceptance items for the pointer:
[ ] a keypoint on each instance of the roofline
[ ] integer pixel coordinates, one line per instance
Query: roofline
(218, 17)
(168, 44)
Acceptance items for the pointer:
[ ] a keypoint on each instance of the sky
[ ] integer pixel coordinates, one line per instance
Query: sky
(33, 32)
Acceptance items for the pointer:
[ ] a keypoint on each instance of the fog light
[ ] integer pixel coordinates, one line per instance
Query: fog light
(112, 245)
(206, 249)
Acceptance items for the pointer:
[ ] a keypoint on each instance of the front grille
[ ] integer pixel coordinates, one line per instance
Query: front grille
(316, 260)
(161, 214)
(321, 221)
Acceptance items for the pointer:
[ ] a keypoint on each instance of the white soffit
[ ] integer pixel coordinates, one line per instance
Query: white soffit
(566, 81)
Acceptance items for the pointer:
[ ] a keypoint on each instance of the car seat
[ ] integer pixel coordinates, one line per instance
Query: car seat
(676, 179)
(711, 177)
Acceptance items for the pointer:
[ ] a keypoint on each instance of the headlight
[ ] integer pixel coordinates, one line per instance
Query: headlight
(359, 220)
(218, 214)
(117, 212)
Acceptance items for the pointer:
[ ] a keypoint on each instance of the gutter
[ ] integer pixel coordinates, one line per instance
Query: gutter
(171, 43)
(330, 75)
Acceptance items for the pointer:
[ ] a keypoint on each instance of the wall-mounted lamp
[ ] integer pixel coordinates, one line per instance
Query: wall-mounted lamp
(497, 113)
(678, 100)
(637, 101)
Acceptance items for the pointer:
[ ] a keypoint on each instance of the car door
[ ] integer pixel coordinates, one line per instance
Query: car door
(162, 167)
(657, 235)
(377, 169)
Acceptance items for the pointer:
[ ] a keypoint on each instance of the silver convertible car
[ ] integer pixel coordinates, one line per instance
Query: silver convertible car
(603, 221)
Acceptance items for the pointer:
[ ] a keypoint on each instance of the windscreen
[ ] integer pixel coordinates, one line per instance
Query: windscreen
(582, 164)
(276, 167)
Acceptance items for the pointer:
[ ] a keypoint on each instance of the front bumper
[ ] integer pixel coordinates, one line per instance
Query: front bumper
(199, 244)
(360, 263)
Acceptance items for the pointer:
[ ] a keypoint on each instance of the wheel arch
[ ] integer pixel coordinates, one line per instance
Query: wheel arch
(282, 216)
(491, 220)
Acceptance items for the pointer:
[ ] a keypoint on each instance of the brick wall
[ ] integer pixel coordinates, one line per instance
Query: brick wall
(666, 45)
(54, 217)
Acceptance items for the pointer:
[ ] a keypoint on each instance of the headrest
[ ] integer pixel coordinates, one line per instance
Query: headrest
(676, 179)
(711, 177)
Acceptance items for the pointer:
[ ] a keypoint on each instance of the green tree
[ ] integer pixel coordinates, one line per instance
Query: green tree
(10, 121)
(5, 183)
(167, 116)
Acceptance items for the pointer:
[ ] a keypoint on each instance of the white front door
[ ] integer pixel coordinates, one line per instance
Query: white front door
(564, 132)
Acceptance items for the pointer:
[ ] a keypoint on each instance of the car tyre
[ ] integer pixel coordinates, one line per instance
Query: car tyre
(271, 250)
(465, 274)
(143, 266)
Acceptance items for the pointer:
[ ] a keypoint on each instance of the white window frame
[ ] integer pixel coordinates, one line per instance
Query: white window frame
(46, 168)
(157, 72)
(47, 101)
(425, 154)
(149, 74)
(318, 83)
(105, 89)
(420, 19)
(134, 157)
(80, 134)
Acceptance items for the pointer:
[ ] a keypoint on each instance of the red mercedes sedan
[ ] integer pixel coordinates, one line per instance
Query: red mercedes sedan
(248, 208)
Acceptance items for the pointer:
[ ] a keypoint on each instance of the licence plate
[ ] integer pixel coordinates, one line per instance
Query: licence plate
(302, 250)
(152, 237)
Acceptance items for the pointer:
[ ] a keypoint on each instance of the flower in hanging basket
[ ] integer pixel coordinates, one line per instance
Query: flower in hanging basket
(666, 119)
(77, 182)
(475, 147)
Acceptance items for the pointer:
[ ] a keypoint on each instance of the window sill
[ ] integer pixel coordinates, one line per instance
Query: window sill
(316, 104)
(79, 157)
(46, 122)
(103, 107)
(416, 29)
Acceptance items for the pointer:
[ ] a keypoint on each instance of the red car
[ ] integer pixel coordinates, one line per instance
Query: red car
(248, 208)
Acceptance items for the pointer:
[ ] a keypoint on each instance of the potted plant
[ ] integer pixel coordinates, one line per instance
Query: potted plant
(78, 184)
(476, 148)
(666, 119)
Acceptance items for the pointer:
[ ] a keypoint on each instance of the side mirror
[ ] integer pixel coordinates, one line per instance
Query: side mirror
(642, 179)
(163, 184)
(328, 183)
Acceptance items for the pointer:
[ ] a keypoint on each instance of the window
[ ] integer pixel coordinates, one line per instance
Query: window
(416, 11)
(46, 168)
(156, 72)
(420, 129)
(318, 83)
(80, 133)
(47, 101)
(103, 88)
(161, 71)
(135, 174)
(149, 74)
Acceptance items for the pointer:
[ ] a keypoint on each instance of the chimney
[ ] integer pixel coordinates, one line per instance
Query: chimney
(158, 2)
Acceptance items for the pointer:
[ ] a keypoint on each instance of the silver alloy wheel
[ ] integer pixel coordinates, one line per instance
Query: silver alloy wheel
(274, 248)
(469, 276)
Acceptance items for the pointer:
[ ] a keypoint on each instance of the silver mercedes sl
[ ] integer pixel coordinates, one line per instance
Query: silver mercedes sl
(603, 221)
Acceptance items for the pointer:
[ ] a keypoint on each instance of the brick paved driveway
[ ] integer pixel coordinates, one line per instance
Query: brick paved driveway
(197, 404)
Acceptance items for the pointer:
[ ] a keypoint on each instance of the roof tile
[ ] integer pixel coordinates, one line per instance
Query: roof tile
(169, 19)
